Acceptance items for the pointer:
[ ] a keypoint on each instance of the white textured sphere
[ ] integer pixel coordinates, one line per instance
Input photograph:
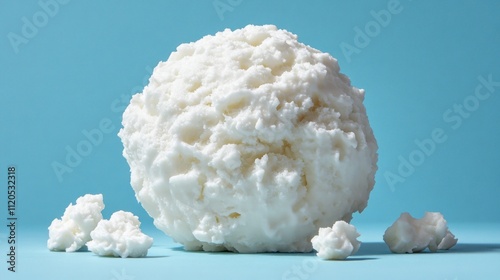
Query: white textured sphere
(249, 141)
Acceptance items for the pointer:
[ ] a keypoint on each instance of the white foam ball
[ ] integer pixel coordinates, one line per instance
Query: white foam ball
(249, 141)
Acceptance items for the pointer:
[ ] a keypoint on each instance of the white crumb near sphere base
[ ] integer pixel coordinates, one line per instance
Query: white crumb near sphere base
(120, 236)
(249, 141)
(410, 235)
(336, 243)
(72, 231)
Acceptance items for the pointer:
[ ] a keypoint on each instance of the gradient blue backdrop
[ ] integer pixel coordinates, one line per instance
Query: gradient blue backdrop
(86, 58)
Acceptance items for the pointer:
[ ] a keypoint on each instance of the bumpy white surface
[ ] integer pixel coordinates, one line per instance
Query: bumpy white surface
(120, 236)
(410, 235)
(249, 141)
(72, 231)
(336, 243)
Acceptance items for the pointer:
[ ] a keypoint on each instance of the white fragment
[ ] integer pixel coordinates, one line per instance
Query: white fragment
(337, 242)
(410, 235)
(249, 141)
(72, 231)
(120, 236)
(448, 241)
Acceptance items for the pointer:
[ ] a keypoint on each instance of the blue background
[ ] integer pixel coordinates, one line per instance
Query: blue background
(83, 63)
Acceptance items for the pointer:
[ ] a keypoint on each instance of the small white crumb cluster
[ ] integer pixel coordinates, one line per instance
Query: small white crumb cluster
(337, 242)
(72, 231)
(120, 236)
(410, 235)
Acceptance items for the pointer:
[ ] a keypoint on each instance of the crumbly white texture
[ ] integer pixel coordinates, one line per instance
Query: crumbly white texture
(336, 243)
(120, 236)
(72, 231)
(249, 141)
(410, 235)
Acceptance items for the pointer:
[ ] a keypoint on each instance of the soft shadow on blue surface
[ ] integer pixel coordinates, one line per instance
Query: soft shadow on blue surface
(130, 258)
(181, 249)
(373, 248)
(353, 258)
(380, 248)
(84, 249)
(475, 248)
(369, 251)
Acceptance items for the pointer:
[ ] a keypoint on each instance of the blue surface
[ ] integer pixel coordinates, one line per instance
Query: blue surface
(476, 257)
(69, 69)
